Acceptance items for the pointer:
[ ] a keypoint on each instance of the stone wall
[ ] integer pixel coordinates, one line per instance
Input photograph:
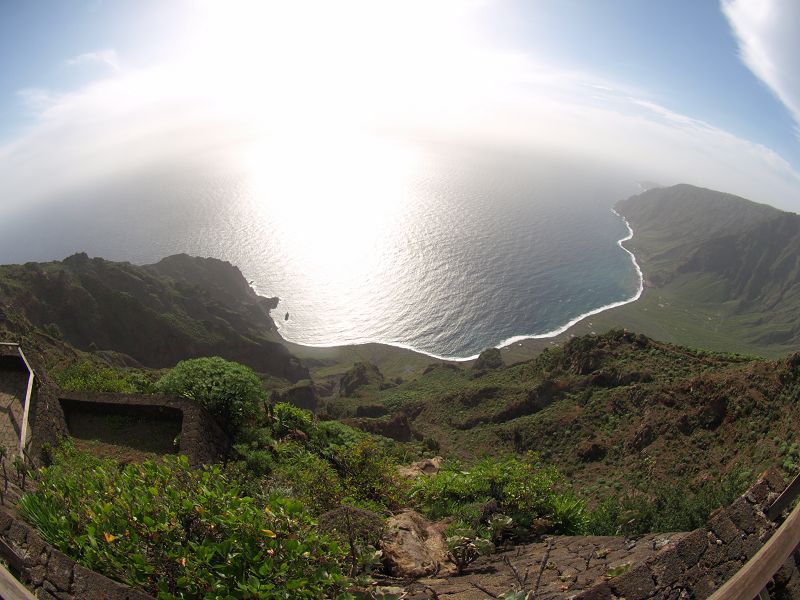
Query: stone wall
(202, 440)
(698, 564)
(50, 574)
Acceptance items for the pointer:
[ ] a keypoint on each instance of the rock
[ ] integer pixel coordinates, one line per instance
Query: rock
(643, 437)
(489, 359)
(414, 547)
(362, 374)
(427, 466)
(398, 427)
(371, 410)
(591, 451)
(303, 395)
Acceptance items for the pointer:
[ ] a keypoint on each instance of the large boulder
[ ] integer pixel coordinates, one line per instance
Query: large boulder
(426, 466)
(414, 547)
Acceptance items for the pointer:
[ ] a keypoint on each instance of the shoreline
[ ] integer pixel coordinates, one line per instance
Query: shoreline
(517, 338)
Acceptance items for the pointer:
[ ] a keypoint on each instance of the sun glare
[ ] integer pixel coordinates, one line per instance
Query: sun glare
(331, 197)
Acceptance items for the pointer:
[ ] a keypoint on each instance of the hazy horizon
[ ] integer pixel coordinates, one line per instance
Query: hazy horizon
(94, 92)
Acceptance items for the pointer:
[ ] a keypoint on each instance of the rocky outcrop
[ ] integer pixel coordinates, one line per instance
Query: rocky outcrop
(491, 358)
(414, 547)
(426, 466)
(359, 376)
(397, 427)
(699, 563)
(303, 394)
(157, 315)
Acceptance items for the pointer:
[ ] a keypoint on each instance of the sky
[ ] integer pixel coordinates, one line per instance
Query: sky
(699, 91)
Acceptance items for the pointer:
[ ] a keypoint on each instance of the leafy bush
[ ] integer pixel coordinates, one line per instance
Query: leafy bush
(306, 477)
(230, 391)
(360, 531)
(180, 533)
(90, 377)
(288, 418)
(465, 546)
(334, 433)
(369, 476)
(661, 507)
(521, 488)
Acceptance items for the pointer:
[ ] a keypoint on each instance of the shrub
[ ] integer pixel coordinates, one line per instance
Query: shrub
(661, 507)
(369, 476)
(360, 530)
(334, 433)
(289, 418)
(521, 488)
(465, 546)
(89, 377)
(306, 477)
(180, 533)
(231, 392)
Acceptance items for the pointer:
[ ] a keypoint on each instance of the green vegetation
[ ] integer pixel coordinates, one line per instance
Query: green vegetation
(90, 377)
(672, 506)
(181, 533)
(231, 392)
(535, 497)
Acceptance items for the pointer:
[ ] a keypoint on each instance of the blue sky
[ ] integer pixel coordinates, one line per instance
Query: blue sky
(707, 92)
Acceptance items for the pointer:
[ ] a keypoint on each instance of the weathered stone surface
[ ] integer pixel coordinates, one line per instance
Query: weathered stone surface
(598, 592)
(692, 547)
(743, 516)
(722, 526)
(59, 570)
(414, 547)
(636, 583)
(666, 567)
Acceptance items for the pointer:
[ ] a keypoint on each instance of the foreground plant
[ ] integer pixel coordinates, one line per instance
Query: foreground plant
(465, 546)
(180, 533)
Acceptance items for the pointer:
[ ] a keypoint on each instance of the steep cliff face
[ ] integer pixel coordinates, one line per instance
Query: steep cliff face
(179, 308)
(738, 255)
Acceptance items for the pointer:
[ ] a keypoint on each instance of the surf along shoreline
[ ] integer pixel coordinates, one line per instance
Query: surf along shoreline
(514, 339)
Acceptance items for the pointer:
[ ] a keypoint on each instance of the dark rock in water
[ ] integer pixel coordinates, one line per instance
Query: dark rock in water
(489, 359)
(286, 318)
(361, 375)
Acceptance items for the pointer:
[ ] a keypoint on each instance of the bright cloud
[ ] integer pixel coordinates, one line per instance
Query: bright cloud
(266, 72)
(769, 45)
(106, 57)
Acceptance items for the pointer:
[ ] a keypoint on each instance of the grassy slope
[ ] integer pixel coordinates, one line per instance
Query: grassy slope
(721, 273)
(652, 409)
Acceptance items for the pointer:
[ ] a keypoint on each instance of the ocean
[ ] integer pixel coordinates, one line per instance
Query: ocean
(441, 248)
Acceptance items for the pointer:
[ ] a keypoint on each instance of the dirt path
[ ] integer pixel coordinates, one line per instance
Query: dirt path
(563, 566)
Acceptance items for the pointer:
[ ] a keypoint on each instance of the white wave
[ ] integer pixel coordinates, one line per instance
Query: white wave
(533, 336)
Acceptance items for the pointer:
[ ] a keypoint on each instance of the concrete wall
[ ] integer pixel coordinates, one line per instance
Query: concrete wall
(701, 562)
(202, 440)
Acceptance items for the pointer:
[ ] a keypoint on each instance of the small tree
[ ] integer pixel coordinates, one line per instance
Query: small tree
(231, 392)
